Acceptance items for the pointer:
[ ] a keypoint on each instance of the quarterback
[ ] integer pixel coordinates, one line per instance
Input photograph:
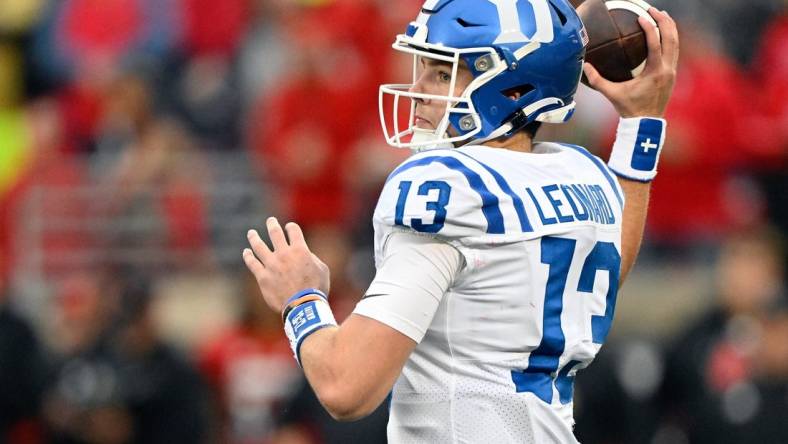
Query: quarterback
(498, 258)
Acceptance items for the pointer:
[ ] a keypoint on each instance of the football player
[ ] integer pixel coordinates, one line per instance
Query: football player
(498, 258)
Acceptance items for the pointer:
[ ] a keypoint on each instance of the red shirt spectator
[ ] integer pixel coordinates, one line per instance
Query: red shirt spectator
(307, 127)
(772, 66)
(215, 28)
(252, 371)
(771, 73)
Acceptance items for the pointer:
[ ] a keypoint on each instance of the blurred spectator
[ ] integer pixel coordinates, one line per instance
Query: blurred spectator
(204, 93)
(127, 113)
(116, 382)
(620, 388)
(215, 28)
(266, 53)
(771, 72)
(84, 400)
(82, 38)
(251, 370)
(770, 123)
(305, 421)
(82, 46)
(304, 130)
(22, 376)
(160, 177)
(163, 394)
(727, 378)
(149, 165)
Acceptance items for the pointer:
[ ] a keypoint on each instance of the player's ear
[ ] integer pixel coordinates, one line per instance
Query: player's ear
(513, 93)
(518, 91)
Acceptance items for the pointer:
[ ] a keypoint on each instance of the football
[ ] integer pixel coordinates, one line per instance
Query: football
(617, 43)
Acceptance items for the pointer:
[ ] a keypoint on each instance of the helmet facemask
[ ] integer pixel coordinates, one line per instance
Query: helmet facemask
(459, 108)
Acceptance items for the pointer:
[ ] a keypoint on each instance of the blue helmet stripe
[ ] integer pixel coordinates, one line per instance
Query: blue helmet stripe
(525, 224)
(490, 202)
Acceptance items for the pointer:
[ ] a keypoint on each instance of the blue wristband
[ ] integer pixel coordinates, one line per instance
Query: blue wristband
(301, 320)
(305, 292)
(291, 303)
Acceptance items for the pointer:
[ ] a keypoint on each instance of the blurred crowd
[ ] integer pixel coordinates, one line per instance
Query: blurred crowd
(139, 139)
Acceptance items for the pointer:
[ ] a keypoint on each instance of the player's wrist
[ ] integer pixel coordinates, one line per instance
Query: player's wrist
(639, 142)
(301, 297)
(303, 314)
(640, 114)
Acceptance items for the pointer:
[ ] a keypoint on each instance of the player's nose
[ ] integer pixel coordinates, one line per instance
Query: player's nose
(418, 88)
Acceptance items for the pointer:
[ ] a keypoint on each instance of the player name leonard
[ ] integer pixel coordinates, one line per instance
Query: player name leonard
(564, 203)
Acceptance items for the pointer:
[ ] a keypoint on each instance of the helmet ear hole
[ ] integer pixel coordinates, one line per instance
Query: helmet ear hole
(518, 91)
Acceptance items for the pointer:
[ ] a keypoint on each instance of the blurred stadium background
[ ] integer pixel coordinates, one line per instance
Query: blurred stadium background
(139, 139)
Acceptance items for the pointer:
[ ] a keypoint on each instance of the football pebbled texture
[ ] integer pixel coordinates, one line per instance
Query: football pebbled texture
(617, 44)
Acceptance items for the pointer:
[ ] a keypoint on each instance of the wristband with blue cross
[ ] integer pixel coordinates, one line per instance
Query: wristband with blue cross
(639, 142)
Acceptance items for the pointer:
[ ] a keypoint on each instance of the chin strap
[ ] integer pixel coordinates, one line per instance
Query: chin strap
(426, 136)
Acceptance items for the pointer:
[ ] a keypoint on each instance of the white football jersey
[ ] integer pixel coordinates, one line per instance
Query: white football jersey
(540, 234)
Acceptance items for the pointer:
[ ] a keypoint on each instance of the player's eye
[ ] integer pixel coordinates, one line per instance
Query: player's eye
(444, 76)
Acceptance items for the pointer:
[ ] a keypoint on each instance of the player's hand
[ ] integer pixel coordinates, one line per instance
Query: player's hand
(287, 269)
(646, 95)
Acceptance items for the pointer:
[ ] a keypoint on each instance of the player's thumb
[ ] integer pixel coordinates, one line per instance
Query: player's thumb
(595, 80)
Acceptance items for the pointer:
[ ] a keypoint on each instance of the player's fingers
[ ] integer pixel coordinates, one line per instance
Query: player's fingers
(654, 58)
(670, 39)
(259, 247)
(595, 80)
(253, 264)
(276, 234)
(295, 235)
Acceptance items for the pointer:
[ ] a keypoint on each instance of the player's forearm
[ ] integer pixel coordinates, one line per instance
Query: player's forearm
(333, 376)
(635, 211)
(634, 159)
(344, 367)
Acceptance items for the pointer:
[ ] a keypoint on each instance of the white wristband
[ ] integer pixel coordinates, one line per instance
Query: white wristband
(305, 319)
(639, 142)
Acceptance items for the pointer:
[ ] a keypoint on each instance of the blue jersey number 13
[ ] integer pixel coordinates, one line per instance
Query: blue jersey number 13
(542, 371)
(437, 206)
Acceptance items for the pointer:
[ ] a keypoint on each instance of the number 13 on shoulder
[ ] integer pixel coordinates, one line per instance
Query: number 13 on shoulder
(437, 206)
